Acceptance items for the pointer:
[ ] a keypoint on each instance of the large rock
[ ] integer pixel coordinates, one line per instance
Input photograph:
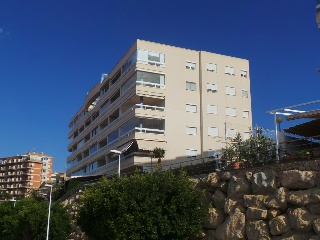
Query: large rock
(294, 235)
(278, 200)
(304, 197)
(232, 228)
(264, 182)
(211, 181)
(257, 230)
(233, 204)
(226, 176)
(257, 201)
(316, 226)
(239, 186)
(272, 213)
(253, 214)
(301, 219)
(314, 208)
(295, 179)
(216, 217)
(223, 186)
(211, 235)
(279, 225)
(219, 199)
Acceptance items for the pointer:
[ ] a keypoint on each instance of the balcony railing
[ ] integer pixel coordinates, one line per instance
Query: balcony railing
(149, 84)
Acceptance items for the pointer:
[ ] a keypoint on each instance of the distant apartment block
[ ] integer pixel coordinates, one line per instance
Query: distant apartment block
(57, 177)
(19, 174)
(184, 101)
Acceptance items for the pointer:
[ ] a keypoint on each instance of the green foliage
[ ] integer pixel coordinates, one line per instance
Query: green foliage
(28, 220)
(158, 152)
(258, 149)
(156, 205)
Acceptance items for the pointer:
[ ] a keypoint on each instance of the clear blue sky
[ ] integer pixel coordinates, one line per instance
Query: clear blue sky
(53, 52)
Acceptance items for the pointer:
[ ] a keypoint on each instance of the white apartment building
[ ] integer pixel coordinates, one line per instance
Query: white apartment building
(185, 101)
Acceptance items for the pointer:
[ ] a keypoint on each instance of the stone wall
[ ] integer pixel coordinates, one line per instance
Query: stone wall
(277, 201)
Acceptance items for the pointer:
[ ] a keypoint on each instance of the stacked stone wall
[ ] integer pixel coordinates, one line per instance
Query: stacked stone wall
(276, 201)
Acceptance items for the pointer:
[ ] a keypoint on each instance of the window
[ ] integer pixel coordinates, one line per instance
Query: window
(191, 130)
(230, 91)
(191, 108)
(244, 93)
(245, 114)
(229, 70)
(191, 152)
(243, 73)
(211, 87)
(213, 109)
(148, 57)
(191, 65)
(231, 133)
(94, 132)
(231, 112)
(246, 135)
(150, 79)
(44, 170)
(211, 67)
(213, 131)
(191, 86)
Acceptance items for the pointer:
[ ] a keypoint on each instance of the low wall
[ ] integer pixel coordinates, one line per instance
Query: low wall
(276, 201)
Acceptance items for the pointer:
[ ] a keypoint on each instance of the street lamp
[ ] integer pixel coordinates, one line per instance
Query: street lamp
(117, 152)
(48, 225)
(14, 201)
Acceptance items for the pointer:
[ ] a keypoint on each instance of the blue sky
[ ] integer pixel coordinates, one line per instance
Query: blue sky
(53, 52)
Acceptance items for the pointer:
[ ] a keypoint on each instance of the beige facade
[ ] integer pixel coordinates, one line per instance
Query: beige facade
(19, 174)
(185, 101)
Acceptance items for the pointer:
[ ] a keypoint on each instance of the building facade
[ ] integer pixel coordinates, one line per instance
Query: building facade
(184, 101)
(19, 174)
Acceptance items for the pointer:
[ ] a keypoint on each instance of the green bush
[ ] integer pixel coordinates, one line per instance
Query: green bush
(156, 205)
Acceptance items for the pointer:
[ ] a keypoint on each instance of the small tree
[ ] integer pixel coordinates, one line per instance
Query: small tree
(255, 149)
(28, 220)
(159, 153)
(156, 205)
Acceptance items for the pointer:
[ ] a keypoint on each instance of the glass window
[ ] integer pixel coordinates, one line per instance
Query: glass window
(191, 108)
(246, 135)
(230, 91)
(229, 70)
(211, 67)
(244, 93)
(191, 65)
(191, 130)
(231, 112)
(245, 114)
(231, 133)
(213, 109)
(191, 152)
(152, 58)
(191, 86)
(243, 73)
(148, 77)
(213, 131)
(211, 87)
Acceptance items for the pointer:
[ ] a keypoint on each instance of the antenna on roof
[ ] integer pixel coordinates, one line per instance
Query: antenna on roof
(103, 76)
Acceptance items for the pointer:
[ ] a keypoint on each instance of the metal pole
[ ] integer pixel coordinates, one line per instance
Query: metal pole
(48, 225)
(119, 165)
(277, 141)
